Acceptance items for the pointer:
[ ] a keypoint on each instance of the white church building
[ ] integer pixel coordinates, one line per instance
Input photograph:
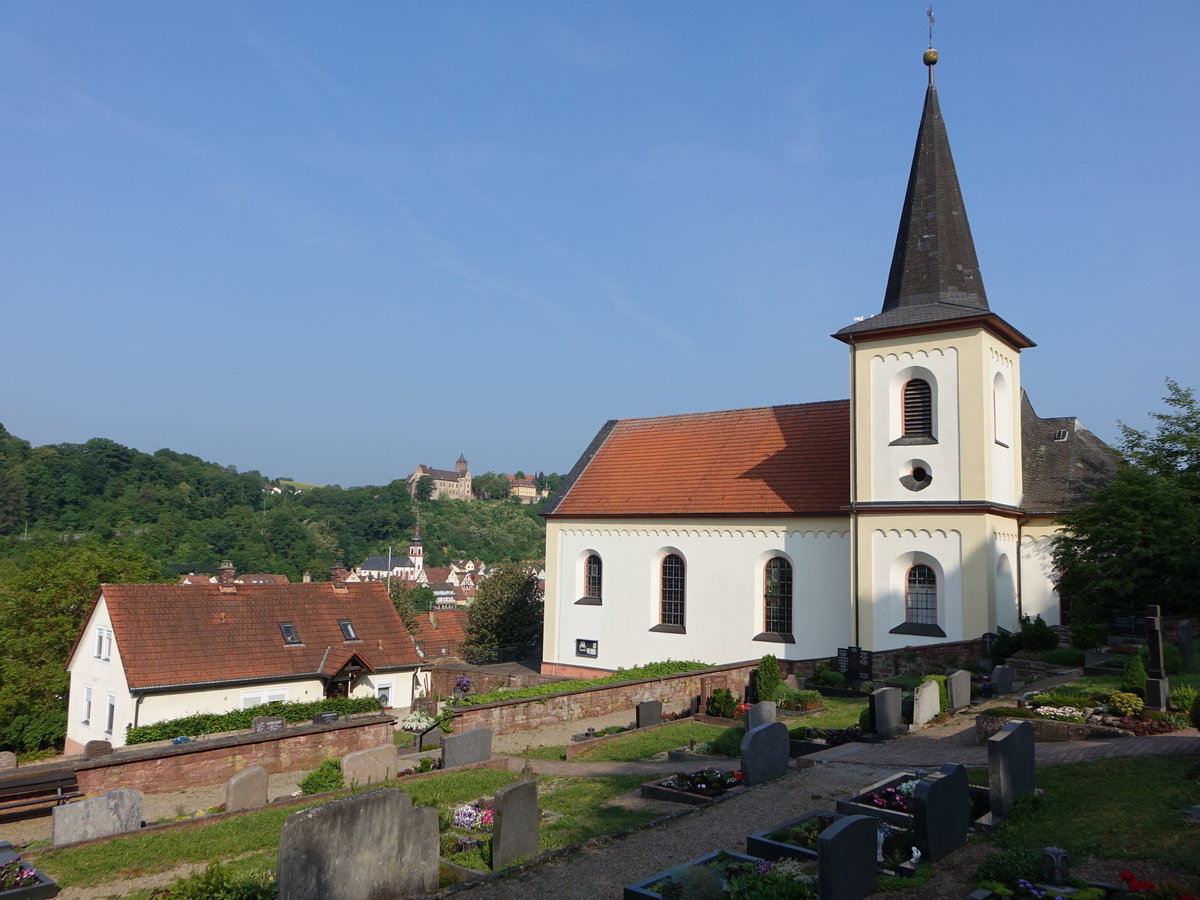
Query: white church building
(918, 511)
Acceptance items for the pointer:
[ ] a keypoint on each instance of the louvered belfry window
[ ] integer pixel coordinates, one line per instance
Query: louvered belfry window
(918, 409)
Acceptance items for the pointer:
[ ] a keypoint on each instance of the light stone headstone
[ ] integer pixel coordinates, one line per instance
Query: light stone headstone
(941, 812)
(885, 704)
(765, 753)
(1186, 644)
(958, 689)
(515, 823)
(1002, 680)
(1011, 770)
(363, 847)
(926, 702)
(96, 749)
(474, 746)
(846, 863)
(113, 813)
(247, 789)
(8, 759)
(370, 767)
(268, 724)
(649, 713)
(761, 713)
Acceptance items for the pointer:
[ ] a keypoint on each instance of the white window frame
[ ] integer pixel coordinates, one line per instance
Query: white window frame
(87, 704)
(386, 687)
(251, 699)
(104, 640)
(111, 715)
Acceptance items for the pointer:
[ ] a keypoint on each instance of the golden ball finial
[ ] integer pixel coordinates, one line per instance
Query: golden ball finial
(931, 57)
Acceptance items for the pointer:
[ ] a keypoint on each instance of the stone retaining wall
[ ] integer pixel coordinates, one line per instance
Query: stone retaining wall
(1046, 730)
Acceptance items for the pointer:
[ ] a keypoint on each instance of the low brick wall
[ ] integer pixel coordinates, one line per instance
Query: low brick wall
(159, 769)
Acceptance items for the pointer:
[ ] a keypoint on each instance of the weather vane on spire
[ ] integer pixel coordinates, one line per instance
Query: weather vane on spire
(931, 55)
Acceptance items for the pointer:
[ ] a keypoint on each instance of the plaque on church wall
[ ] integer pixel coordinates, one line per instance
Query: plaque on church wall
(590, 649)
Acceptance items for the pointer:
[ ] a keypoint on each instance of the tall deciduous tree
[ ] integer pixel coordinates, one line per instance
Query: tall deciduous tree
(506, 612)
(410, 600)
(424, 489)
(490, 486)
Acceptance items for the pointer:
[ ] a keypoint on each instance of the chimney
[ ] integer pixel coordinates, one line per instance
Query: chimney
(307, 577)
(339, 573)
(225, 573)
(432, 619)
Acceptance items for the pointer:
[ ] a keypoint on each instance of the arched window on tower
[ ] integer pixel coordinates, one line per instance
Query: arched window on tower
(921, 596)
(672, 593)
(918, 409)
(777, 597)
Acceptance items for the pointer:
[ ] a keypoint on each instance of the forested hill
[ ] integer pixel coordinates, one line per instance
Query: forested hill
(187, 514)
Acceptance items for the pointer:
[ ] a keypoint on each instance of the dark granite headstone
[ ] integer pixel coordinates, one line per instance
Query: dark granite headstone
(885, 712)
(247, 789)
(1158, 689)
(846, 863)
(958, 689)
(113, 813)
(8, 759)
(1185, 644)
(649, 712)
(324, 718)
(474, 746)
(761, 713)
(1011, 770)
(516, 822)
(765, 753)
(1056, 867)
(362, 847)
(927, 703)
(268, 724)
(941, 812)
(427, 705)
(96, 749)
(1002, 680)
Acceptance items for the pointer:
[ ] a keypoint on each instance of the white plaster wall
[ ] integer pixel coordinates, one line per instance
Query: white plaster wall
(891, 557)
(104, 677)
(1004, 419)
(724, 609)
(889, 372)
(1038, 578)
(1004, 588)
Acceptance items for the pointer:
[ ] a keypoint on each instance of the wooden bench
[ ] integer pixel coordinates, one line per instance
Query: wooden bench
(32, 795)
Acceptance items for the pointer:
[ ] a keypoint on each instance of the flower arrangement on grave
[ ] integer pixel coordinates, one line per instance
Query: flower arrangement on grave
(473, 818)
(462, 684)
(727, 877)
(707, 782)
(894, 798)
(16, 874)
(742, 709)
(417, 721)
(804, 834)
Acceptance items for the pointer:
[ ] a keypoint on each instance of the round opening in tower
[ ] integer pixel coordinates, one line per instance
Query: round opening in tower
(916, 475)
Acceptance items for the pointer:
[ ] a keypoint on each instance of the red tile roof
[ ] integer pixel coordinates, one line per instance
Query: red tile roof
(170, 634)
(451, 626)
(773, 460)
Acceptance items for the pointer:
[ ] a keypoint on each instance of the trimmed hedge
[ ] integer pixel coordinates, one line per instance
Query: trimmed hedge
(650, 670)
(240, 719)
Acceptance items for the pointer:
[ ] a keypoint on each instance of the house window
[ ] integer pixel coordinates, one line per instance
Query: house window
(593, 579)
(112, 714)
(290, 634)
(777, 596)
(918, 409)
(251, 699)
(673, 595)
(104, 644)
(87, 705)
(348, 631)
(921, 596)
(383, 693)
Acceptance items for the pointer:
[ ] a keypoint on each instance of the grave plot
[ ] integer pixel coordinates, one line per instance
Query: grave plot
(695, 788)
(797, 839)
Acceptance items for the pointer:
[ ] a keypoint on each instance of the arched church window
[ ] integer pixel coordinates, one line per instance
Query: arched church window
(777, 596)
(672, 594)
(918, 409)
(921, 596)
(593, 577)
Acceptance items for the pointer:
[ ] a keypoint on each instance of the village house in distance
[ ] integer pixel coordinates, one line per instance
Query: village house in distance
(916, 512)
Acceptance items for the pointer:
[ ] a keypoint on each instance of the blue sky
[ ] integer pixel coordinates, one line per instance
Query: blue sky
(333, 241)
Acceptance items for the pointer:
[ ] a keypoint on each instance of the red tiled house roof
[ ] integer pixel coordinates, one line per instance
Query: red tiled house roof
(773, 460)
(450, 631)
(176, 635)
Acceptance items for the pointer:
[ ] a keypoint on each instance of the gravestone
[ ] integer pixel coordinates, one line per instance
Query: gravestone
(1158, 688)
(324, 718)
(268, 724)
(941, 812)
(1185, 644)
(1127, 623)
(366, 846)
(926, 703)
(958, 689)
(429, 740)
(1056, 867)
(709, 684)
(765, 753)
(247, 789)
(515, 823)
(474, 746)
(988, 638)
(649, 713)
(793, 683)
(846, 863)
(1011, 771)
(113, 813)
(427, 705)
(885, 712)
(855, 664)
(364, 768)
(1002, 680)
(8, 759)
(96, 749)
(761, 713)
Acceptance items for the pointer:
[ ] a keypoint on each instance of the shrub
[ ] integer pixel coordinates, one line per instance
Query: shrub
(325, 777)
(1126, 703)
(1068, 657)
(767, 680)
(1085, 636)
(1035, 636)
(238, 719)
(1134, 679)
(864, 719)
(216, 883)
(943, 694)
(1055, 698)
(829, 678)
(1172, 658)
(1183, 697)
(799, 699)
(721, 704)
(1194, 715)
(1011, 865)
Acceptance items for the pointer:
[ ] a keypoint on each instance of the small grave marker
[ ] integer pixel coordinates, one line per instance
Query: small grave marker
(515, 827)
(113, 813)
(927, 703)
(765, 753)
(474, 746)
(942, 812)
(885, 712)
(96, 749)
(761, 713)
(268, 724)
(1158, 688)
(958, 689)
(8, 759)
(370, 767)
(324, 718)
(247, 789)
(649, 713)
(846, 864)
(1186, 644)
(1011, 770)
(1002, 680)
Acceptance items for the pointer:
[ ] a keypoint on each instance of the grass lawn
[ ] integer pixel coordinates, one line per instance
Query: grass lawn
(838, 712)
(646, 744)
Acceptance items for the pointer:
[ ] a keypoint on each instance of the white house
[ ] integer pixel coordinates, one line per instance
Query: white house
(151, 652)
(918, 511)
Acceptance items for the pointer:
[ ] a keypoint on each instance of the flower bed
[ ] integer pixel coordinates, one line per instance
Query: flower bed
(694, 788)
(20, 881)
(797, 839)
(725, 874)
(890, 801)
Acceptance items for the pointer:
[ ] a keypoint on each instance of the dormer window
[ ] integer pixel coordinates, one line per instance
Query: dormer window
(348, 631)
(290, 634)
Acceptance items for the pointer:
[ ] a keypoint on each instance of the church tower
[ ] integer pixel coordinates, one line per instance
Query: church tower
(416, 552)
(935, 431)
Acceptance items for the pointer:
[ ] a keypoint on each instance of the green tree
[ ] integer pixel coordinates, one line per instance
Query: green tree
(424, 489)
(1138, 539)
(42, 608)
(506, 612)
(490, 486)
(410, 600)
